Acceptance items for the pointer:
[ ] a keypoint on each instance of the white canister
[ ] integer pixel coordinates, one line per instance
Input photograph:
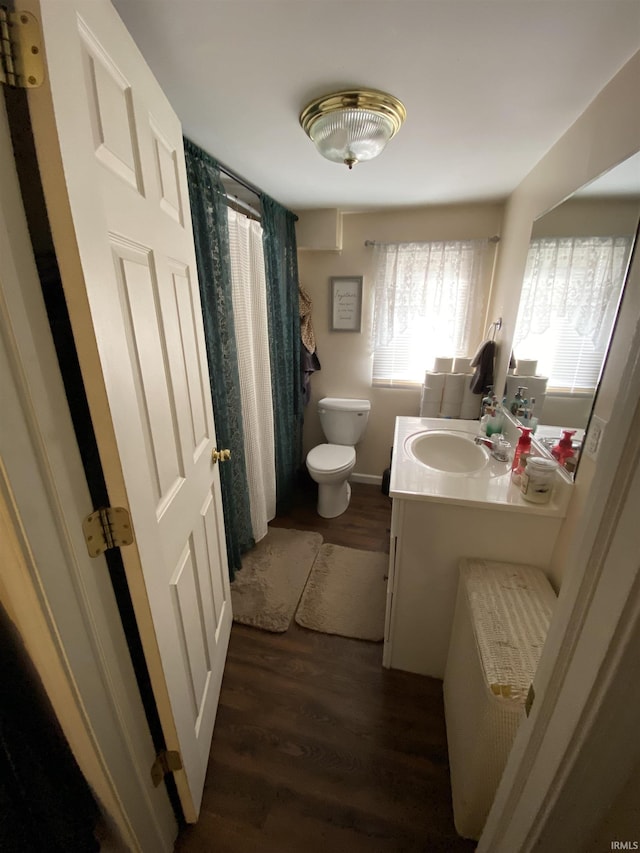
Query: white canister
(537, 479)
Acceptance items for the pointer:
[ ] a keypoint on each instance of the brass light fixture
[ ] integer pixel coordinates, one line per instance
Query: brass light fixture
(353, 125)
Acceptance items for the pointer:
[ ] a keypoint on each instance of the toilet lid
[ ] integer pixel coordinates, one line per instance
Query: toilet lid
(331, 457)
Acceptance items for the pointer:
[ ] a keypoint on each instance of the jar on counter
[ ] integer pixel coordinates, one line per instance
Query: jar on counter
(536, 483)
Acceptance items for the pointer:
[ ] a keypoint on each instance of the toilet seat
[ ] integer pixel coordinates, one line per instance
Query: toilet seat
(331, 457)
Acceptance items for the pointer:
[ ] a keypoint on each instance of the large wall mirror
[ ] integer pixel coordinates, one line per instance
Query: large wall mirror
(576, 271)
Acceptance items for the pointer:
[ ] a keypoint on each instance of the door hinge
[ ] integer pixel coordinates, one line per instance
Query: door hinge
(528, 702)
(21, 62)
(166, 762)
(108, 527)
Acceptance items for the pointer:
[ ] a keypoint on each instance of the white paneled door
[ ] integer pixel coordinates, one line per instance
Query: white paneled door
(111, 157)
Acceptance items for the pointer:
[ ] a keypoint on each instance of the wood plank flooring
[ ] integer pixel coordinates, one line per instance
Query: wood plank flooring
(364, 525)
(318, 748)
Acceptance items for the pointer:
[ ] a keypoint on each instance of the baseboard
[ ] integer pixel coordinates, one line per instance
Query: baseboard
(371, 479)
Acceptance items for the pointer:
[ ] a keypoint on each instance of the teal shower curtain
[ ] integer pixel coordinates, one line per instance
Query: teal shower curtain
(281, 265)
(210, 231)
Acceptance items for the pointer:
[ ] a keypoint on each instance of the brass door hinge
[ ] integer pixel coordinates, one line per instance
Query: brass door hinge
(166, 762)
(108, 527)
(21, 62)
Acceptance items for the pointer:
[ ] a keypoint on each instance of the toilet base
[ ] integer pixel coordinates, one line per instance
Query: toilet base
(333, 498)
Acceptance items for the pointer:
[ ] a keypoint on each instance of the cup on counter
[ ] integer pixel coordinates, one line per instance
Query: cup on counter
(494, 423)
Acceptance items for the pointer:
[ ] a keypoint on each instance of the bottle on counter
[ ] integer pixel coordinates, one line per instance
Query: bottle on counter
(533, 421)
(516, 403)
(563, 450)
(487, 400)
(521, 455)
(525, 414)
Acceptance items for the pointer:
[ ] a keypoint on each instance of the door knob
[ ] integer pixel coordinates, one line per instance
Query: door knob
(220, 455)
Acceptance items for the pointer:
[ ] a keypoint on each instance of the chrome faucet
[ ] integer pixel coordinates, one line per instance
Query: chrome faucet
(498, 446)
(480, 439)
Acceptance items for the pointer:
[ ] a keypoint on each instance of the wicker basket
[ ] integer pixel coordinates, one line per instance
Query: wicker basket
(501, 620)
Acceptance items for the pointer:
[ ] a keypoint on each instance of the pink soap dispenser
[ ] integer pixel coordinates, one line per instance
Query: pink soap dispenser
(563, 450)
(523, 449)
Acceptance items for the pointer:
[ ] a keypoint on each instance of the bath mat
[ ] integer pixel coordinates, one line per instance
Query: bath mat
(346, 593)
(266, 591)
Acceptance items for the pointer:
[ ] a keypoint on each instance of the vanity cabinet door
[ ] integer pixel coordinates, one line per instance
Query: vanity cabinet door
(430, 538)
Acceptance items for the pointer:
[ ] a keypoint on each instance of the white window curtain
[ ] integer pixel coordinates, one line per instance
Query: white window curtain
(428, 303)
(569, 301)
(252, 343)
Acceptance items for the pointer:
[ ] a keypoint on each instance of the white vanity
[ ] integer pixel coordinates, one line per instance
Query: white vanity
(452, 499)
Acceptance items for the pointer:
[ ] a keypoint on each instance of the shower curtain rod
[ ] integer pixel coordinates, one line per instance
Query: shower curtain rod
(234, 200)
(494, 239)
(235, 177)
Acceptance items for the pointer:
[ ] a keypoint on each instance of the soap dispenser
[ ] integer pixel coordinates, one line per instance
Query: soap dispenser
(563, 450)
(487, 400)
(523, 448)
(517, 400)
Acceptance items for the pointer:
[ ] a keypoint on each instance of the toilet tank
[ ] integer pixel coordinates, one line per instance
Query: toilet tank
(343, 420)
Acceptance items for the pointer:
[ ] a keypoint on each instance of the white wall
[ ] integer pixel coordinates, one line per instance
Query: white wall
(345, 356)
(566, 410)
(586, 217)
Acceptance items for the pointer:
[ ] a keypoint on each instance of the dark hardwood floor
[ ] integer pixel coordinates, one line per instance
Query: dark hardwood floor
(318, 748)
(364, 525)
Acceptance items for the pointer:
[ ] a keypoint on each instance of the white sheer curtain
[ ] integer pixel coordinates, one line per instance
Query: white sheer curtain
(569, 300)
(579, 278)
(252, 342)
(428, 303)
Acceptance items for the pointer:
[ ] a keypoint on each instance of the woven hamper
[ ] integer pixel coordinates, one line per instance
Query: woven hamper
(500, 624)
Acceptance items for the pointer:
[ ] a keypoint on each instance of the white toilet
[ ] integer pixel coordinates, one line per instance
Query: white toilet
(343, 422)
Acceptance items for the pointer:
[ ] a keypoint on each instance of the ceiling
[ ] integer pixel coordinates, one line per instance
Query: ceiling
(489, 86)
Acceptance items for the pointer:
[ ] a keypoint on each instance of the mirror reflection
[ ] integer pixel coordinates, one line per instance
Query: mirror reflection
(574, 278)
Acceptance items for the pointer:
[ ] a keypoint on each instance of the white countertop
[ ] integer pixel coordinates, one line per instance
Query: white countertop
(544, 431)
(412, 480)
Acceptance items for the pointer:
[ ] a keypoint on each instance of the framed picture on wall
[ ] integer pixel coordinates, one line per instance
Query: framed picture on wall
(346, 303)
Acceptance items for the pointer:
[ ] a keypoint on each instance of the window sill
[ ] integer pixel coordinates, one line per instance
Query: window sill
(586, 393)
(395, 384)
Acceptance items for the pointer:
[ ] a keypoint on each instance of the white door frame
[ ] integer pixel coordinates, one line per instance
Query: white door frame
(74, 632)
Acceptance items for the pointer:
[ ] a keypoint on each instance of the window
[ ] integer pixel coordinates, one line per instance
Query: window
(428, 303)
(570, 296)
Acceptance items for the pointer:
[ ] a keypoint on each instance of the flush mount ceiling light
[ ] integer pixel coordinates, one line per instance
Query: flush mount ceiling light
(354, 125)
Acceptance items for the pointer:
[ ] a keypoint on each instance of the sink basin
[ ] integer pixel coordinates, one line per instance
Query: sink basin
(444, 450)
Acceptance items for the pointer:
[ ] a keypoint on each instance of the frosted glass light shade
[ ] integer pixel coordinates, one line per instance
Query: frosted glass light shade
(351, 135)
(348, 127)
